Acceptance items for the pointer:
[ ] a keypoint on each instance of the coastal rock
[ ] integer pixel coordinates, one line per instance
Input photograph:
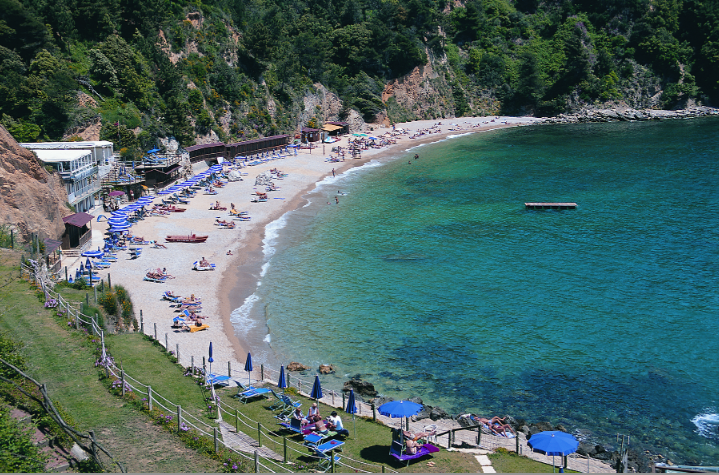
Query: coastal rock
(433, 413)
(363, 388)
(378, 401)
(32, 200)
(294, 366)
(326, 369)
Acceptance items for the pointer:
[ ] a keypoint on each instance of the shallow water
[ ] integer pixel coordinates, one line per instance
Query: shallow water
(431, 279)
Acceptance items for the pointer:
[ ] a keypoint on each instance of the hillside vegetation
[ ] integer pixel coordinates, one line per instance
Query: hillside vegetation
(236, 69)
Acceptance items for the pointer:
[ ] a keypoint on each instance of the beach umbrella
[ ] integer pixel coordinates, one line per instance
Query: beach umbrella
(248, 368)
(400, 409)
(316, 389)
(352, 409)
(119, 213)
(553, 442)
(282, 384)
(88, 264)
(119, 229)
(97, 253)
(116, 193)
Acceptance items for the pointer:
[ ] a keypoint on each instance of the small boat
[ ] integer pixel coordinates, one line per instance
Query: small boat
(186, 238)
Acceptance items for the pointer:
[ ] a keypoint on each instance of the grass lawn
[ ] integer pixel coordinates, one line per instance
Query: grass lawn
(504, 461)
(63, 359)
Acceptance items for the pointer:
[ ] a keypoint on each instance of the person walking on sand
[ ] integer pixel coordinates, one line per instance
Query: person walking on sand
(333, 173)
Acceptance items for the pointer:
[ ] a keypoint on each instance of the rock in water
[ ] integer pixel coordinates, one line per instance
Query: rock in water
(326, 369)
(294, 366)
(363, 388)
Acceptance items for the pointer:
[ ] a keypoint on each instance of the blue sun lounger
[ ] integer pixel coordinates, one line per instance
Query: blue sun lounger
(252, 393)
(397, 451)
(216, 379)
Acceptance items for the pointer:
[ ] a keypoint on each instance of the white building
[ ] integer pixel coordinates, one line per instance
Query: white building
(102, 151)
(79, 171)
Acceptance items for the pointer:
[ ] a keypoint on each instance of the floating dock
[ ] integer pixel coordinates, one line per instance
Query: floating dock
(550, 205)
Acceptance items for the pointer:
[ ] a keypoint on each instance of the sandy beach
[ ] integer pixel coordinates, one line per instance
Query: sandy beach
(236, 276)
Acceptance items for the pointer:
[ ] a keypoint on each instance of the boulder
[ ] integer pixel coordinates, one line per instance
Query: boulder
(378, 401)
(438, 413)
(326, 369)
(362, 388)
(294, 366)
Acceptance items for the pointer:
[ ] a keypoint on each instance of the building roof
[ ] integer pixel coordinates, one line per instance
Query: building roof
(262, 139)
(78, 219)
(205, 145)
(65, 145)
(56, 156)
(331, 127)
(51, 245)
(309, 130)
(341, 124)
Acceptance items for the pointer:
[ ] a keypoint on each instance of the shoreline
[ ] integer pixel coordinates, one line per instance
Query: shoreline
(235, 289)
(236, 277)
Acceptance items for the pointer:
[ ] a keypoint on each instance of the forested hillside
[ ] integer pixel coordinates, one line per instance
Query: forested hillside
(233, 69)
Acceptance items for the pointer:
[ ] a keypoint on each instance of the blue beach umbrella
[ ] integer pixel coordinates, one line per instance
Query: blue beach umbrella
(248, 368)
(399, 409)
(282, 384)
(554, 443)
(352, 409)
(210, 360)
(316, 389)
(97, 253)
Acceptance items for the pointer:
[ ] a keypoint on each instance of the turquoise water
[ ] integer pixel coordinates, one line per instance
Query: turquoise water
(431, 279)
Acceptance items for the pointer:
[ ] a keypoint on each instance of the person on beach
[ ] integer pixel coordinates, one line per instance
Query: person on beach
(333, 172)
(313, 414)
(335, 424)
(229, 252)
(321, 428)
(299, 416)
(204, 263)
(416, 156)
(337, 200)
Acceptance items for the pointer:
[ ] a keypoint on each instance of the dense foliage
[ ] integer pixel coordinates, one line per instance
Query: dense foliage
(240, 68)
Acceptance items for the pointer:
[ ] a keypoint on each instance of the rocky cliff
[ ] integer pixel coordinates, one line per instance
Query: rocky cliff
(31, 199)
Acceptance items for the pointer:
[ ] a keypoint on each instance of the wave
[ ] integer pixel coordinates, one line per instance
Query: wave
(240, 317)
(707, 424)
(272, 232)
(449, 137)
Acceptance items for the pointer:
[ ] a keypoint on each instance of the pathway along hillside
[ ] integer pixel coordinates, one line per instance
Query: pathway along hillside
(65, 363)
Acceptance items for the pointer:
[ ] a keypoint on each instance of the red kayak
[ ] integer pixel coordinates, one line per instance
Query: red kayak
(186, 238)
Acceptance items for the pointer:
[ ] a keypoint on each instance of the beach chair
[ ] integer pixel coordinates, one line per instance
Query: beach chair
(295, 425)
(217, 379)
(279, 403)
(325, 458)
(314, 439)
(252, 393)
(288, 408)
(396, 450)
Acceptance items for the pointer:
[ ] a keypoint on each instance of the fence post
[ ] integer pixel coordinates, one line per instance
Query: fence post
(229, 369)
(288, 379)
(92, 324)
(149, 398)
(257, 462)
(516, 444)
(167, 346)
(87, 297)
(237, 420)
(94, 287)
(449, 439)
(12, 246)
(109, 282)
(343, 400)
(262, 372)
(479, 436)
(332, 462)
(374, 412)
(122, 381)
(217, 447)
(65, 273)
(142, 323)
(177, 352)
(383, 469)
(204, 367)
(179, 418)
(192, 364)
(259, 434)
(155, 331)
(77, 319)
(332, 392)
(284, 446)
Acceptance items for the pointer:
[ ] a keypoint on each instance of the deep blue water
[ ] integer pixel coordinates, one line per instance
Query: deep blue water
(431, 279)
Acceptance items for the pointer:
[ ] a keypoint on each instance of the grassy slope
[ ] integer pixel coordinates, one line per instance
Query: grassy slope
(64, 361)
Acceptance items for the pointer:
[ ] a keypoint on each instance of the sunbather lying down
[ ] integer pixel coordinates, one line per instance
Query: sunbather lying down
(496, 425)
(418, 435)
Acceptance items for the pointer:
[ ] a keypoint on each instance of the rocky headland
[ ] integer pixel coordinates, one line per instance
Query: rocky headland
(629, 114)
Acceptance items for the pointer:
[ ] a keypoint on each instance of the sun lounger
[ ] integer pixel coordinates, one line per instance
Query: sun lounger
(252, 393)
(396, 450)
(216, 379)
(152, 279)
(295, 425)
(315, 438)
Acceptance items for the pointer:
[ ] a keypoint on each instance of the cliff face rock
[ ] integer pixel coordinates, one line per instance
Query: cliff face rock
(31, 199)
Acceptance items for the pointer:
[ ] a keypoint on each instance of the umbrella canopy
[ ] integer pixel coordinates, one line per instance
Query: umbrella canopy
(88, 263)
(248, 368)
(553, 442)
(164, 192)
(154, 150)
(352, 409)
(210, 360)
(97, 253)
(282, 384)
(399, 408)
(118, 221)
(120, 213)
(119, 229)
(316, 389)
(116, 193)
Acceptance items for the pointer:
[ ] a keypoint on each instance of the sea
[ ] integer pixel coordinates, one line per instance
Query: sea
(428, 277)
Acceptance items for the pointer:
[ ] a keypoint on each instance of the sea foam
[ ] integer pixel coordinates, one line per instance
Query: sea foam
(240, 317)
(707, 424)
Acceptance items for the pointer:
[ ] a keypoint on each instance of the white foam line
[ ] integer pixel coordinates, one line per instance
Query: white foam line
(707, 424)
(240, 317)
(272, 232)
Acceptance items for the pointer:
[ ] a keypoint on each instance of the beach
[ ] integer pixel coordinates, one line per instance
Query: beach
(235, 276)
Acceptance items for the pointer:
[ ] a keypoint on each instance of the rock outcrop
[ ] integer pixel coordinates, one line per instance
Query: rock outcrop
(627, 114)
(294, 366)
(361, 388)
(32, 200)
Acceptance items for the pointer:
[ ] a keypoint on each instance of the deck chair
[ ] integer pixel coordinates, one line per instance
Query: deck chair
(252, 393)
(325, 459)
(279, 403)
(295, 425)
(216, 379)
(315, 438)
(289, 406)
(396, 450)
